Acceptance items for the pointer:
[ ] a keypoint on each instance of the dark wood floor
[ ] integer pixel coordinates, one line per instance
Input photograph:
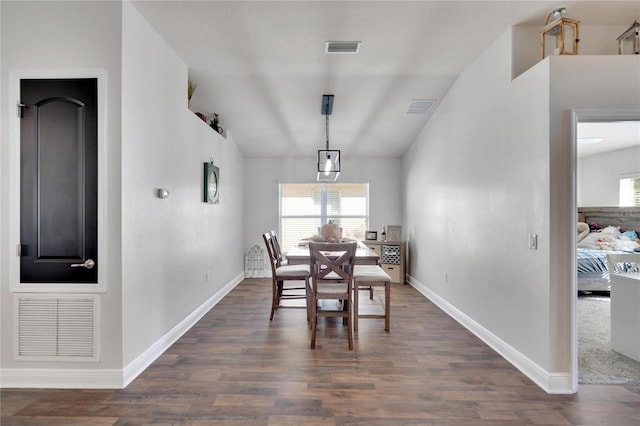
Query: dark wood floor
(236, 367)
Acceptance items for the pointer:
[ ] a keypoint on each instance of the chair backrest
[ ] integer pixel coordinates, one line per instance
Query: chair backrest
(274, 260)
(621, 262)
(332, 262)
(276, 245)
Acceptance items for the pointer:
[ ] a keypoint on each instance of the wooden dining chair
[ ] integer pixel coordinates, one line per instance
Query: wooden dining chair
(281, 273)
(332, 267)
(365, 277)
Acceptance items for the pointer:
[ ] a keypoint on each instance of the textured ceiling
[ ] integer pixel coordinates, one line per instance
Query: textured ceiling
(261, 64)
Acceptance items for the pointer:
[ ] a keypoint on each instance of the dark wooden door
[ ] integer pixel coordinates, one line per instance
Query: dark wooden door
(58, 181)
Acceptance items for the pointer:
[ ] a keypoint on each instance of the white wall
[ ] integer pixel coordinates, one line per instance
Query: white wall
(168, 245)
(492, 166)
(262, 176)
(476, 181)
(46, 36)
(598, 177)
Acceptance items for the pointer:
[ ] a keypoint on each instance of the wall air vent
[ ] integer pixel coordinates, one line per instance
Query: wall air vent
(341, 47)
(420, 106)
(62, 327)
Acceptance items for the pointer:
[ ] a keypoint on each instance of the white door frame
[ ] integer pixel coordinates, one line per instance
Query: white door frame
(13, 173)
(583, 116)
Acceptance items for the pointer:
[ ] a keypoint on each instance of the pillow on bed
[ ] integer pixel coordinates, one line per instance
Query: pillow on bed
(583, 230)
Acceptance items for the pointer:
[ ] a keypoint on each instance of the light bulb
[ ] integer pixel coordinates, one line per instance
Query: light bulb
(327, 166)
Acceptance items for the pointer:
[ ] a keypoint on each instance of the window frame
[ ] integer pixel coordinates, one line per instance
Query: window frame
(323, 217)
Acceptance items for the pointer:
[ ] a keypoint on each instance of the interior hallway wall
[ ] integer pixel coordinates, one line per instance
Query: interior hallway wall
(492, 166)
(177, 252)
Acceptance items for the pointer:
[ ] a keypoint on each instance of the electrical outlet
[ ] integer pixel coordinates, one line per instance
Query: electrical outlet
(533, 241)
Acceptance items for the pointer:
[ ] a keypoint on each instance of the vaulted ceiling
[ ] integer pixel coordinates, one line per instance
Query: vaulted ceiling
(262, 65)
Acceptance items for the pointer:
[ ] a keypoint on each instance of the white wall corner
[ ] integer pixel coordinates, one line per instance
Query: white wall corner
(552, 383)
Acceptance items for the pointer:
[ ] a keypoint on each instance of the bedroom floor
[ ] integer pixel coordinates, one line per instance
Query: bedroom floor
(235, 367)
(597, 363)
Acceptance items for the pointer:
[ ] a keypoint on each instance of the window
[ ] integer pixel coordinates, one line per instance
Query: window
(630, 191)
(305, 207)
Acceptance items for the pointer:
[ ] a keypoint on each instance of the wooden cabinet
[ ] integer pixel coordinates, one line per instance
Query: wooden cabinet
(392, 258)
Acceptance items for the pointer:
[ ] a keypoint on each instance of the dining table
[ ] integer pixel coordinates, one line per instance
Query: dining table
(299, 255)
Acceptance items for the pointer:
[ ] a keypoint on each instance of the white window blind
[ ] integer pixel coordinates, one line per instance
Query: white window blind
(305, 207)
(630, 191)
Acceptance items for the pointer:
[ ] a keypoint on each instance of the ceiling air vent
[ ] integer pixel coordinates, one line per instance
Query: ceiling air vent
(420, 106)
(341, 47)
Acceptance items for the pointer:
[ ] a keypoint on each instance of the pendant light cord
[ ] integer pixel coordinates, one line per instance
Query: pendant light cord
(327, 130)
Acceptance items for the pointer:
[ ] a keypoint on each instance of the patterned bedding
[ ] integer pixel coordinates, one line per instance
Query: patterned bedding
(592, 269)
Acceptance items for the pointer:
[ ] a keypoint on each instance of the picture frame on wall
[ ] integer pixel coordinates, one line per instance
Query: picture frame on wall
(211, 183)
(394, 232)
(371, 235)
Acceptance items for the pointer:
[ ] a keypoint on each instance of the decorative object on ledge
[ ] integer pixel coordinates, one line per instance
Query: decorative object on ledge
(191, 89)
(215, 123)
(371, 235)
(202, 116)
(631, 37)
(328, 159)
(394, 232)
(564, 33)
(211, 182)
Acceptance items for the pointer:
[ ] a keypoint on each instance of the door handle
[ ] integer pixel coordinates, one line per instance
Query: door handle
(89, 264)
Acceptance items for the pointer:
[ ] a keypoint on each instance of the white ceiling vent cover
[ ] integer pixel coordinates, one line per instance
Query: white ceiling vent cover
(341, 47)
(56, 327)
(420, 106)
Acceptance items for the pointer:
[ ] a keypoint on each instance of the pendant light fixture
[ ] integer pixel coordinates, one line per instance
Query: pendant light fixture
(328, 159)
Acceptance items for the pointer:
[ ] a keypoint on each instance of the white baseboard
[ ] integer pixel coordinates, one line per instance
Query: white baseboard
(553, 383)
(75, 378)
(145, 359)
(61, 378)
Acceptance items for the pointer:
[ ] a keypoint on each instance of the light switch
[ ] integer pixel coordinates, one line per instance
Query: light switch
(533, 241)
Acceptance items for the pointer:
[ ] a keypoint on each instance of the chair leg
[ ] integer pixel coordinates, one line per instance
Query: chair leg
(387, 306)
(356, 295)
(308, 298)
(274, 298)
(314, 321)
(346, 307)
(349, 328)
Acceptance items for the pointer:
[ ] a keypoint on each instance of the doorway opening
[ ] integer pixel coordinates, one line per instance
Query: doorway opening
(606, 148)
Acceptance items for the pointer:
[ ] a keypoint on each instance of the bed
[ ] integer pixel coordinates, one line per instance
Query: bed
(614, 232)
